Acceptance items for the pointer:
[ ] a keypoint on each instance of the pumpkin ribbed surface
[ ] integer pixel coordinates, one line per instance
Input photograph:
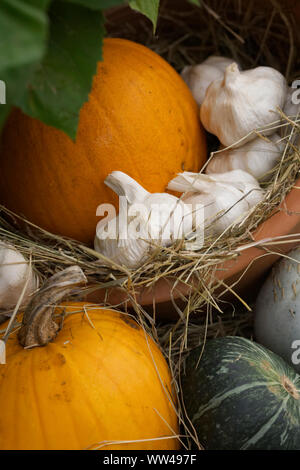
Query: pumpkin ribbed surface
(102, 379)
(140, 119)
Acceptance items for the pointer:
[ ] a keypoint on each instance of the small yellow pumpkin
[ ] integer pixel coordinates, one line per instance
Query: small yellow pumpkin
(101, 383)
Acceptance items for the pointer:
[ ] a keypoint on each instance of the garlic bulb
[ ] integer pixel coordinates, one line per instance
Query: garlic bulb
(14, 273)
(257, 157)
(226, 197)
(241, 102)
(150, 220)
(199, 77)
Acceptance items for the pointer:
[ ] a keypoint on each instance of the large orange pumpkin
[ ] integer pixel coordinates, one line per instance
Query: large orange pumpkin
(102, 379)
(140, 119)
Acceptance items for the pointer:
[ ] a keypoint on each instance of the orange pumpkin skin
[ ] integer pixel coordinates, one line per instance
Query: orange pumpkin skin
(87, 388)
(140, 119)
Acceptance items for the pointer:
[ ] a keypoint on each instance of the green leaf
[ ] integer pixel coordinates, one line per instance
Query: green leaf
(196, 2)
(23, 31)
(148, 7)
(16, 79)
(97, 4)
(62, 81)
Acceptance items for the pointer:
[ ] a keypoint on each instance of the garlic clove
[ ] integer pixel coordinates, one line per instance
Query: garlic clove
(257, 157)
(199, 77)
(14, 274)
(241, 102)
(226, 197)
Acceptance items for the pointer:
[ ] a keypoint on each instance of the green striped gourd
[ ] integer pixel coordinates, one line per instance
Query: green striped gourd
(242, 396)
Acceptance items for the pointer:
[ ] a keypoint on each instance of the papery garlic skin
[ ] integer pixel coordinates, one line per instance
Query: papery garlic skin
(159, 218)
(241, 102)
(257, 157)
(14, 273)
(226, 197)
(199, 77)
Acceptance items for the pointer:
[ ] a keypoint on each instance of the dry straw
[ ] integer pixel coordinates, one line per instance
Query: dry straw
(253, 34)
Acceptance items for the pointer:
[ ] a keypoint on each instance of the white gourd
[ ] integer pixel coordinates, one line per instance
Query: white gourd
(277, 310)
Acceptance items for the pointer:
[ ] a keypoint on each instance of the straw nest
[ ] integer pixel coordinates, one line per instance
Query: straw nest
(253, 35)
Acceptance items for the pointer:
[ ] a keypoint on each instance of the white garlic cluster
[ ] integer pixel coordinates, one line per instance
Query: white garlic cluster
(149, 221)
(227, 197)
(241, 102)
(15, 272)
(199, 77)
(258, 157)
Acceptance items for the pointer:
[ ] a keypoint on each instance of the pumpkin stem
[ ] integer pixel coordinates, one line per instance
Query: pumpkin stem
(38, 328)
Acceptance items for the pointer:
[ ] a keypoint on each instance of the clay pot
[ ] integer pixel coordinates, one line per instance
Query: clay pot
(245, 273)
